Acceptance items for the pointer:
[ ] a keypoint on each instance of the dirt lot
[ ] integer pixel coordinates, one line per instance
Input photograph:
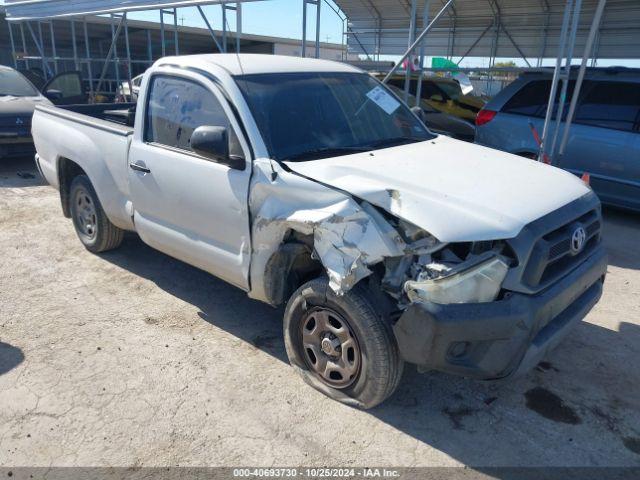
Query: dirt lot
(133, 358)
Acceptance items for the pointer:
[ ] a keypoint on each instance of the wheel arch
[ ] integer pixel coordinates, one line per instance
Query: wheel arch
(67, 170)
(289, 267)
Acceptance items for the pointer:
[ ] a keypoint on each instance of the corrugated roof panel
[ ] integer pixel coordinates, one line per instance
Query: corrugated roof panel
(382, 26)
(39, 9)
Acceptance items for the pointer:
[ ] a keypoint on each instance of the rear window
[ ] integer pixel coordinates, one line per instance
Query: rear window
(614, 105)
(532, 99)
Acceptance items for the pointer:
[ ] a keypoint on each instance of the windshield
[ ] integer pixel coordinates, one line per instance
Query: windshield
(14, 84)
(311, 115)
(451, 89)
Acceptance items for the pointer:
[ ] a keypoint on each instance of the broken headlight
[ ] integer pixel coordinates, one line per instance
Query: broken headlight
(480, 283)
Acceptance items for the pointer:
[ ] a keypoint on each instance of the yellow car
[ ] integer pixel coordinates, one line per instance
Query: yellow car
(444, 95)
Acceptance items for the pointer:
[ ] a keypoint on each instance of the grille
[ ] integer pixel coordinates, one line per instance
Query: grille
(552, 256)
(15, 121)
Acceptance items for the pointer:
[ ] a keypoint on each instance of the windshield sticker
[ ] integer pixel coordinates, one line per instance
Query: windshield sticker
(386, 102)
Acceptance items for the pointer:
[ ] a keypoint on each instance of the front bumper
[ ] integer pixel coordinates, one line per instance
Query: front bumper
(502, 338)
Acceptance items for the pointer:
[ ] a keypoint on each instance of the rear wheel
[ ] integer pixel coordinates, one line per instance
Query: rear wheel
(340, 345)
(93, 228)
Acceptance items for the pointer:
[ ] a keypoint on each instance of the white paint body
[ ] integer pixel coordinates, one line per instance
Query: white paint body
(230, 222)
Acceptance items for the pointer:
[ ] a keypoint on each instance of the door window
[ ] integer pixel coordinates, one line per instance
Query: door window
(67, 84)
(176, 107)
(614, 105)
(532, 99)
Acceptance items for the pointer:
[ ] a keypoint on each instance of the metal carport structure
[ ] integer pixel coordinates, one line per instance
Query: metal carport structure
(33, 20)
(529, 29)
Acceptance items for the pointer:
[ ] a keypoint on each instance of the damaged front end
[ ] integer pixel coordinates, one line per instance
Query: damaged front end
(350, 239)
(447, 305)
(431, 271)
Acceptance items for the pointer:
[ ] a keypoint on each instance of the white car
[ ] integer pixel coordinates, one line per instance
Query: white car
(307, 182)
(124, 94)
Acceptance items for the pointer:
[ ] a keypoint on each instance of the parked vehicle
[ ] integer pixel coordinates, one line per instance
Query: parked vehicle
(604, 138)
(439, 122)
(307, 182)
(18, 99)
(444, 95)
(124, 94)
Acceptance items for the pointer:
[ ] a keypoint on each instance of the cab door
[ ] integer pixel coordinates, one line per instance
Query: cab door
(190, 207)
(66, 89)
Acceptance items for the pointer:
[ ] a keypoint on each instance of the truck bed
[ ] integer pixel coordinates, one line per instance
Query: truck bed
(115, 113)
(96, 137)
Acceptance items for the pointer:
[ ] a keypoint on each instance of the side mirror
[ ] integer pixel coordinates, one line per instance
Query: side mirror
(213, 143)
(53, 94)
(437, 98)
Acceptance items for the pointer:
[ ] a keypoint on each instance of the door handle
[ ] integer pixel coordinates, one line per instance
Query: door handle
(139, 167)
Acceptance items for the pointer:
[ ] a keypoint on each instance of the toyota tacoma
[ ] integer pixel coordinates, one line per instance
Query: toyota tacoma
(309, 183)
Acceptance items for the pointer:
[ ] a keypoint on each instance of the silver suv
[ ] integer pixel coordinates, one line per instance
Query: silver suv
(605, 136)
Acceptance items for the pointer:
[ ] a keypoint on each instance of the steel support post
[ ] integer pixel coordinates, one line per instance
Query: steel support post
(497, 21)
(565, 78)
(305, 4)
(425, 21)
(164, 49)
(74, 45)
(304, 28)
(318, 3)
(88, 54)
(417, 41)
(556, 76)
(24, 45)
(412, 36)
(176, 41)
(452, 42)
(112, 47)
(593, 32)
(128, 51)
(224, 28)
(54, 50)
(149, 47)
(116, 58)
(238, 26)
(13, 45)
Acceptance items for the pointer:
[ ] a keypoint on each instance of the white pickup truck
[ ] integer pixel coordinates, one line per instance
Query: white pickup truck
(309, 183)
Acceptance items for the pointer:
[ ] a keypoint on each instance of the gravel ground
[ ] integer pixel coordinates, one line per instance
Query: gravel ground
(133, 358)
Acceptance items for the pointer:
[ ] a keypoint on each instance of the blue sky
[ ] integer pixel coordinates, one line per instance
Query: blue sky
(279, 18)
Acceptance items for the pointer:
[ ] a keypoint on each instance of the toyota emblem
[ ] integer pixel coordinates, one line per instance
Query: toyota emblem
(578, 238)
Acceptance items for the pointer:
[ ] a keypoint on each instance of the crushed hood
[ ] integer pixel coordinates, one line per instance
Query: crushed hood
(455, 190)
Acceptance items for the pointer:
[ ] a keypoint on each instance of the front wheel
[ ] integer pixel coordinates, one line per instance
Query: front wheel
(94, 229)
(340, 345)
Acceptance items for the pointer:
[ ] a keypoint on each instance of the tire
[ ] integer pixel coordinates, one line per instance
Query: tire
(372, 366)
(92, 226)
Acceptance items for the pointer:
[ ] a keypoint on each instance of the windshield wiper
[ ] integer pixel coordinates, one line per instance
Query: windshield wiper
(326, 152)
